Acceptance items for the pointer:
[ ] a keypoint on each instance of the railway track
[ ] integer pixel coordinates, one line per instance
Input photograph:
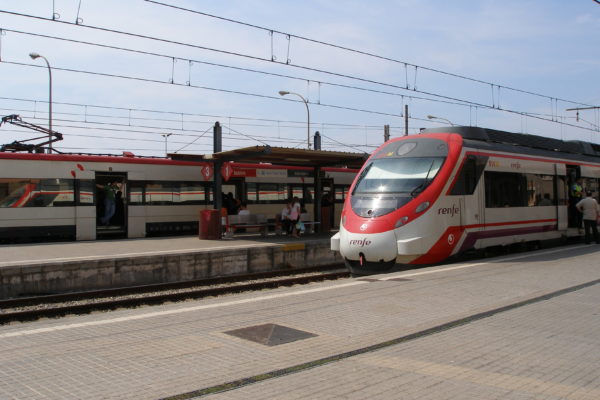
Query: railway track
(57, 305)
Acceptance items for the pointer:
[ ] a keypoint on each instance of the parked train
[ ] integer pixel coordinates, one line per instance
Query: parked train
(420, 199)
(55, 196)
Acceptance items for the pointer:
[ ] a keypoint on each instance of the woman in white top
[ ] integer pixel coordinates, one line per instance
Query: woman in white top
(243, 210)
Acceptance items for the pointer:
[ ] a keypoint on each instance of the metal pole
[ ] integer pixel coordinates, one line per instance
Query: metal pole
(34, 56)
(406, 120)
(166, 135)
(308, 124)
(217, 178)
(283, 93)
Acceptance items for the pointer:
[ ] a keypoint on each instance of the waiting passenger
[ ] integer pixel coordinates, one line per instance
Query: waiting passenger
(590, 209)
(295, 215)
(244, 209)
(286, 220)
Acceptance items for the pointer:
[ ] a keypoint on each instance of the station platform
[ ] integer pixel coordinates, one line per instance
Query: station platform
(521, 326)
(30, 269)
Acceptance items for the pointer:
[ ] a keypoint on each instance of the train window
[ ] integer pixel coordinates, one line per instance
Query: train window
(192, 193)
(267, 192)
(504, 189)
(159, 193)
(398, 175)
(252, 192)
(167, 193)
(540, 189)
(341, 192)
(57, 192)
(136, 193)
(86, 192)
(469, 175)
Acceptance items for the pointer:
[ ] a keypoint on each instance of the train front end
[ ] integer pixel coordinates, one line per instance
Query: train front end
(390, 216)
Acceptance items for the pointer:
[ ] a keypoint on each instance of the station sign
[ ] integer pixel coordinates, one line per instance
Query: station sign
(207, 172)
(226, 171)
(299, 173)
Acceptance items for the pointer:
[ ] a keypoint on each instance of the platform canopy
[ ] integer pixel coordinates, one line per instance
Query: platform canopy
(282, 156)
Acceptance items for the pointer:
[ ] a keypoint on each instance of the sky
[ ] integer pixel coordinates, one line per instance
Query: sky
(151, 77)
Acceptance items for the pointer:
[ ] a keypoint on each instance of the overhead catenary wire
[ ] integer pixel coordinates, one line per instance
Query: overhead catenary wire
(300, 66)
(545, 117)
(148, 80)
(405, 63)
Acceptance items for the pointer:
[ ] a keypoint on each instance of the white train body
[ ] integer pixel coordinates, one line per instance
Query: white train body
(55, 196)
(421, 199)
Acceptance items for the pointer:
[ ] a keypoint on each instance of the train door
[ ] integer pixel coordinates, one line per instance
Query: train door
(233, 195)
(472, 213)
(573, 177)
(470, 191)
(111, 204)
(327, 204)
(561, 196)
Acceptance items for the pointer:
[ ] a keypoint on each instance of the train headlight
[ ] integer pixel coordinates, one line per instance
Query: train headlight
(422, 207)
(343, 220)
(401, 222)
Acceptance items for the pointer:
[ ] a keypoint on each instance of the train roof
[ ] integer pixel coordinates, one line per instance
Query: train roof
(493, 136)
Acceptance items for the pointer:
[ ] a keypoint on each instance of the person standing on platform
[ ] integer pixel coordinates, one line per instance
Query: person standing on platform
(590, 209)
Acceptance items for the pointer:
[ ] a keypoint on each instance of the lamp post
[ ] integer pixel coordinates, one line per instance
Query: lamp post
(441, 119)
(165, 135)
(33, 57)
(283, 93)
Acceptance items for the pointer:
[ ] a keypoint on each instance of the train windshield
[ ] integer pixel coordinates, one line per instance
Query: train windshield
(400, 175)
(396, 175)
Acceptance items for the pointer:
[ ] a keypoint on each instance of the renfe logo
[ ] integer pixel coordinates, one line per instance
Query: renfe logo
(359, 242)
(452, 211)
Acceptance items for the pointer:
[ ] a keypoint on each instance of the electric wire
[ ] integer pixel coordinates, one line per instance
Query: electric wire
(405, 63)
(305, 67)
(148, 80)
(459, 101)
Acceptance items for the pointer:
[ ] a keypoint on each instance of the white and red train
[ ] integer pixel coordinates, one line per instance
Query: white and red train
(423, 198)
(55, 196)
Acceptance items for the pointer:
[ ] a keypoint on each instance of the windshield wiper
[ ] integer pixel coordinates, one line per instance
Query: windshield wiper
(421, 186)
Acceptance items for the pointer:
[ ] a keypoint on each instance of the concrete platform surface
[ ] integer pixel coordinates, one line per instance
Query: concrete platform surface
(523, 326)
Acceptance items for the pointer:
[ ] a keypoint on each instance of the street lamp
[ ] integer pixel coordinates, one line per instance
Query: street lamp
(283, 93)
(441, 119)
(165, 135)
(33, 57)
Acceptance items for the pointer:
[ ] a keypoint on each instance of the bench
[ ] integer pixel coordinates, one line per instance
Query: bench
(251, 221)
(308, 224)
(304, 217)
